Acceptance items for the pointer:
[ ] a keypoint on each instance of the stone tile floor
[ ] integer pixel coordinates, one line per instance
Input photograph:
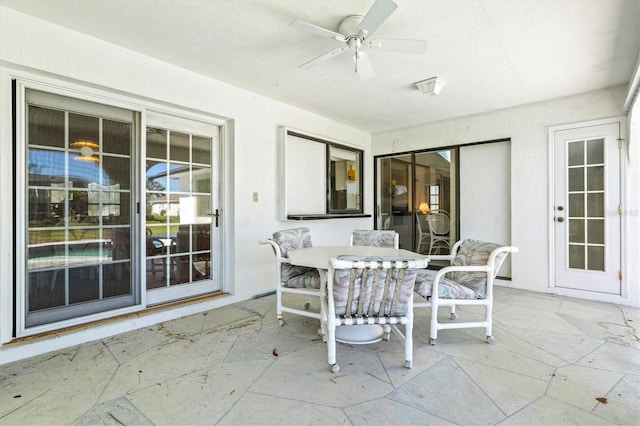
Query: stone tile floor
(552, 358)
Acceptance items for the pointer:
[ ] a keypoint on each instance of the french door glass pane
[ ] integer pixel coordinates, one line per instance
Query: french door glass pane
(576, 153)
(178, 198)
(576, 256)
(595, 151)
(586, 199)
(79, 214)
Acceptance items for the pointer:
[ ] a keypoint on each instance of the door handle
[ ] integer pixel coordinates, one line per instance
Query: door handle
(560, 219)
(217, 216)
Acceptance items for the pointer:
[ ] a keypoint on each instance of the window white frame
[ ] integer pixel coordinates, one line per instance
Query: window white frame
(304, 176)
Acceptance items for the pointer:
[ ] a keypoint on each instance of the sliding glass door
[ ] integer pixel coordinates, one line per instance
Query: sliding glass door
(78, 208)
(416, 196)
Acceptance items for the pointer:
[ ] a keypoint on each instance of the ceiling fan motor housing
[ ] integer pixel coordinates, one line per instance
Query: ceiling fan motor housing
(349, 26)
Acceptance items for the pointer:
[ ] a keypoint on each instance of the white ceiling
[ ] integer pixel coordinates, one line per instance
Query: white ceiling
(491, 54)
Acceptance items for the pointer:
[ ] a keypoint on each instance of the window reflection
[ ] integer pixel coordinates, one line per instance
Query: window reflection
(344, 172)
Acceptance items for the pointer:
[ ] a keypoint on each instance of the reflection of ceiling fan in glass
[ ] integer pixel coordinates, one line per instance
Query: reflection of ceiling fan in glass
(354, 31)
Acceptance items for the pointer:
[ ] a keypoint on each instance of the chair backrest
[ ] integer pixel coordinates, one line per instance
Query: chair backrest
(375, 238)
(291, 239)
(370, 287)
(476, 253)
(420, 221)
(439, 222)
(386, 224)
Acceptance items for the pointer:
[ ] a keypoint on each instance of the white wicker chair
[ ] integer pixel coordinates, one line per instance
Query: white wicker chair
(468, 281)
(424, 237)
(374, 238)
(290, 278)
(439, 225)
(369, 291)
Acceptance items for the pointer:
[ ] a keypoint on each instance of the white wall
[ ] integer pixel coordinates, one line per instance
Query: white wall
(43, 51)
(527, 127)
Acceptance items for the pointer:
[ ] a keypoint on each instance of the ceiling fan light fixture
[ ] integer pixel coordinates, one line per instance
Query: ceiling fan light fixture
(430, 87)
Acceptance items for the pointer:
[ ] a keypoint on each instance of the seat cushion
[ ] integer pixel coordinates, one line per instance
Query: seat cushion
(447, 289)
(308, 279)
(472, 252)
(374, 238)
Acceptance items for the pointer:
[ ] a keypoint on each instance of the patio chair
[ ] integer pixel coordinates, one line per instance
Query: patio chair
(366, 291)
(375, 238)
(290, 278)
(423, 236)
(386, 223)
(439, 225)
(468, 281)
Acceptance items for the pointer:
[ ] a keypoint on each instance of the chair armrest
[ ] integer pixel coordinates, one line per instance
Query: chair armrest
(447, 257)
(276, 250)
(499, 250)
(469, 268)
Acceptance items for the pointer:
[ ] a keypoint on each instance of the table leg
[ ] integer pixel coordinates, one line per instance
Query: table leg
(323, 304)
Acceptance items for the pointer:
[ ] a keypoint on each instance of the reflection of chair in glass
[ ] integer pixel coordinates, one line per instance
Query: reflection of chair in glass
(386, 223)
(468, 281)
(155, 247)
(290, 278)
(367, 291)
(439, 223)
(197, 238)
(373, 238)
(423, 236)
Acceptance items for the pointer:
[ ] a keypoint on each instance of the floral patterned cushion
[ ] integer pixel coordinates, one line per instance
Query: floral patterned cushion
(308, 279)
(447, 289)
(341, 288)
(292, 275)
(462, 284)
(474, 252)
(374, 238)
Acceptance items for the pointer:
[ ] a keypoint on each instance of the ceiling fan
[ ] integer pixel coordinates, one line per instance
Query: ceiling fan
(354, 31)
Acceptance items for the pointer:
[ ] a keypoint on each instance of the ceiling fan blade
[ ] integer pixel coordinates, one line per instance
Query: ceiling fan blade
(323, 57)
(316, 30)
(399, 45)
(363, 65)
(378, 13)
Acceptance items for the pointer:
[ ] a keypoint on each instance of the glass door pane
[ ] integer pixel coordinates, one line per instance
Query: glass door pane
(179, 212)
(395, 193)
(434, 201)
(79, 208)
(414, 190)
(586, 197)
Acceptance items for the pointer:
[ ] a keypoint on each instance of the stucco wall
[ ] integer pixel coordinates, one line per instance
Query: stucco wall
(527, 127)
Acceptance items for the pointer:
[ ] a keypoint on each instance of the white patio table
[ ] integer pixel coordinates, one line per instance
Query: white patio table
(319, 256)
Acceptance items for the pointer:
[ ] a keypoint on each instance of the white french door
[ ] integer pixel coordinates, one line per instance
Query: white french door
(586, 229)
(181, 212)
